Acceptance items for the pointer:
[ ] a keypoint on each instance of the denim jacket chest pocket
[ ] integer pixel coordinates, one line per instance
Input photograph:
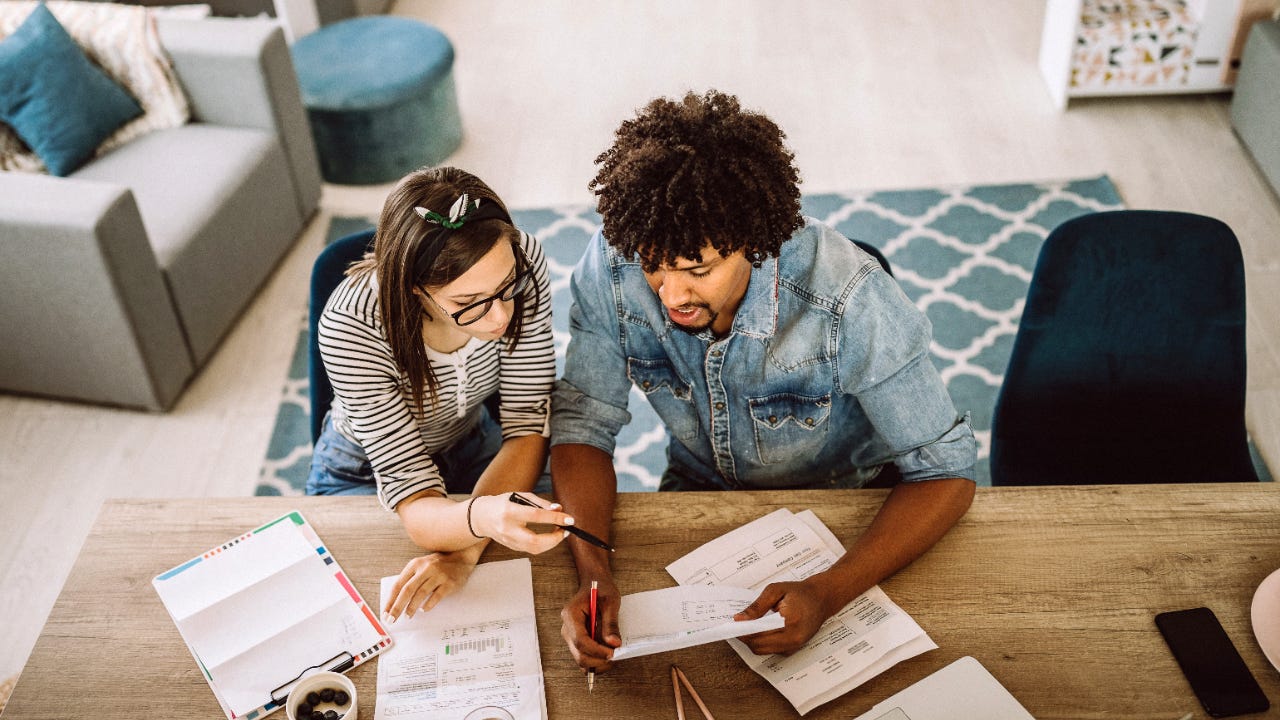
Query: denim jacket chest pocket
(789, 427)
(668, 393)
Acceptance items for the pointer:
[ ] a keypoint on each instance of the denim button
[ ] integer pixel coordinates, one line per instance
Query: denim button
(719, 406)
(808, 421)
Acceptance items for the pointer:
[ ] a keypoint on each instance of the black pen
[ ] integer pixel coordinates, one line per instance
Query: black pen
(520, 500)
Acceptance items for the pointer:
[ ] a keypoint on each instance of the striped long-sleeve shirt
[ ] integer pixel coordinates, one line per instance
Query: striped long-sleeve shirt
(373, 400)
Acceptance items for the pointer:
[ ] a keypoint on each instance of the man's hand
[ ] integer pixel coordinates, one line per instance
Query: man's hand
(799, 603)
(427, 580)
(575, 626)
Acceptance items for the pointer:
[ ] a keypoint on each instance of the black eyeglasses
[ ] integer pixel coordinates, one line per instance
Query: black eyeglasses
(516, 285)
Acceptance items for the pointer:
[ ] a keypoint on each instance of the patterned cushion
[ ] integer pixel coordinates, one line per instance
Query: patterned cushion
(124, 42)
(54, 98)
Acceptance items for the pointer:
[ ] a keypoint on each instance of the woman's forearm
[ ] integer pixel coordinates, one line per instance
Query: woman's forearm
(438, 524)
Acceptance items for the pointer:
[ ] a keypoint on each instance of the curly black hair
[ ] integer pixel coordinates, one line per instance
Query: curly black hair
(701, 170)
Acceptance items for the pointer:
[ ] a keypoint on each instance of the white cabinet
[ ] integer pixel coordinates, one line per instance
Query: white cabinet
(1125, 47)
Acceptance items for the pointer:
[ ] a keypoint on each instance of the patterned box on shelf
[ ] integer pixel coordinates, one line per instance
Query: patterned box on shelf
(1133, 44)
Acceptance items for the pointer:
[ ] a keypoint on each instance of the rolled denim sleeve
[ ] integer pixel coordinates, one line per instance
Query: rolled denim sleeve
(885, 362)
(589, 403)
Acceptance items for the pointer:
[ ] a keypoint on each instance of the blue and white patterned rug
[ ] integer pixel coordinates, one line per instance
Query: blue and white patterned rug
(964, 255)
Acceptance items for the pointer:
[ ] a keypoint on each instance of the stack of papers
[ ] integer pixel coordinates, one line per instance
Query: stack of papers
(870, 635)
(478, 648)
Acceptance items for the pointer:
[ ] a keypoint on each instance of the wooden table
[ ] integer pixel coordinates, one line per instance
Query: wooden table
(1052, 589)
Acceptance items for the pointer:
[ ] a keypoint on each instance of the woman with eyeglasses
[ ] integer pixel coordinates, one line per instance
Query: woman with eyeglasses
(451, 307)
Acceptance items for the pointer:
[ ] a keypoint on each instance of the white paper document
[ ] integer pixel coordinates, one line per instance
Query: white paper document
(960, 691)
(679, 617)
(477, 648)
(867, 637)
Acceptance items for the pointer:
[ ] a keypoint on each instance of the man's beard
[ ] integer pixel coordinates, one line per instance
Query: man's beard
(699, 328)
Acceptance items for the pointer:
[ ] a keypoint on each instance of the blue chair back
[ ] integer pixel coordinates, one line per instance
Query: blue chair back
(1129, 361)
(329, 269)
(874, 252)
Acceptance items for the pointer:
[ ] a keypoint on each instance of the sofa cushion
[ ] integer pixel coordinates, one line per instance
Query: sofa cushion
(219, 208)
(124, 41)
(181, 176)
(54, 98)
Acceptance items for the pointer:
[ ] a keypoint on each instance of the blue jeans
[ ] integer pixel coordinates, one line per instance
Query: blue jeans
(340, 467)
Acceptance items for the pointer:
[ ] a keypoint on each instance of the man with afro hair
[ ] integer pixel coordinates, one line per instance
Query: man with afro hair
(777, 353)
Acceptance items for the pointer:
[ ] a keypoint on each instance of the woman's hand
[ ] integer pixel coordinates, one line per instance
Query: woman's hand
(496, 517)
(427, 580)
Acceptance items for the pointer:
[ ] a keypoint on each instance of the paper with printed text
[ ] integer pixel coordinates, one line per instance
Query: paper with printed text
(867, 637)
(477, 648)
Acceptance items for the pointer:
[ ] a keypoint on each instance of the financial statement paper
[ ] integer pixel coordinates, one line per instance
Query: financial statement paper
(477, 648)
(868, 636)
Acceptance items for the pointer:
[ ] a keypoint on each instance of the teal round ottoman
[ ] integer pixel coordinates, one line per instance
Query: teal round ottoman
(380, 96)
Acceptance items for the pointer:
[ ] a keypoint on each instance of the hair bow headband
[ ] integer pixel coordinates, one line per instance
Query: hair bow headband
(458, 213)
(462, 211)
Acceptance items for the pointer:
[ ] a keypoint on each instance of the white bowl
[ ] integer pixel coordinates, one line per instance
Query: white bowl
(317, 682)
(1265, 617)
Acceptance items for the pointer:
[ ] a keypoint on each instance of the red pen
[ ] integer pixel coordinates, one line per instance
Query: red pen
(591, 674)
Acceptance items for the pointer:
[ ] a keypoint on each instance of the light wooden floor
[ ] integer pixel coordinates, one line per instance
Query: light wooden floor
(872, 94)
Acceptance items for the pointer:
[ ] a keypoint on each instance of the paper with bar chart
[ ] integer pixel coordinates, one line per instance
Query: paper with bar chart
(477, 648)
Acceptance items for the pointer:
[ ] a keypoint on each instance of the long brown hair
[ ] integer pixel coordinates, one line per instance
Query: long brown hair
(402, 236)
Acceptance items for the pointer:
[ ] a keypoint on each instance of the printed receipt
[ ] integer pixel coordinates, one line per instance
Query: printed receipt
(870, 635)
(478, 647)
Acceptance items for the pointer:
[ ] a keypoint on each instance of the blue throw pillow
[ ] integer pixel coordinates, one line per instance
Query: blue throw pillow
(56, 100)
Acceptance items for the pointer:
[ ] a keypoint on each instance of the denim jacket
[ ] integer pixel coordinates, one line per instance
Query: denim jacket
(824, 375)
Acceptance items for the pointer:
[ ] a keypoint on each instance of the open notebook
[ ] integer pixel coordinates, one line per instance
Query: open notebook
(262, 609)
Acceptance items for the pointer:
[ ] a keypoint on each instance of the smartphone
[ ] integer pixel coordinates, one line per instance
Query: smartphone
(1211, 663)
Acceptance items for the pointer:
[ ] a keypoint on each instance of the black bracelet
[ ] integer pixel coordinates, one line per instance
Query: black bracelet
(473, 530)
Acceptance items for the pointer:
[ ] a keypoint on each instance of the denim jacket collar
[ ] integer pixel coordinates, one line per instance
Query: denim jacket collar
(757, 314)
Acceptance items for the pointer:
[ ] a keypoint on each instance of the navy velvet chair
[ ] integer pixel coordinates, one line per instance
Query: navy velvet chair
(1129, 362)
(329, 269)
(874, 252)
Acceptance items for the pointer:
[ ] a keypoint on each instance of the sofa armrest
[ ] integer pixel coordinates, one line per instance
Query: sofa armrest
(87, 314)
(238, 71)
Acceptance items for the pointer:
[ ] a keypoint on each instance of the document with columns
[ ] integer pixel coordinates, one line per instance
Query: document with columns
(870, 635)
(473, 655)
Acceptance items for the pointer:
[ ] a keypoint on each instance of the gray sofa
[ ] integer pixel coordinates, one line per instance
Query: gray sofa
(1255, 108)
(117, 283)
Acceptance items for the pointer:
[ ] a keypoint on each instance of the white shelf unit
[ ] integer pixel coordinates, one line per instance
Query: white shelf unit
(1217, 24)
